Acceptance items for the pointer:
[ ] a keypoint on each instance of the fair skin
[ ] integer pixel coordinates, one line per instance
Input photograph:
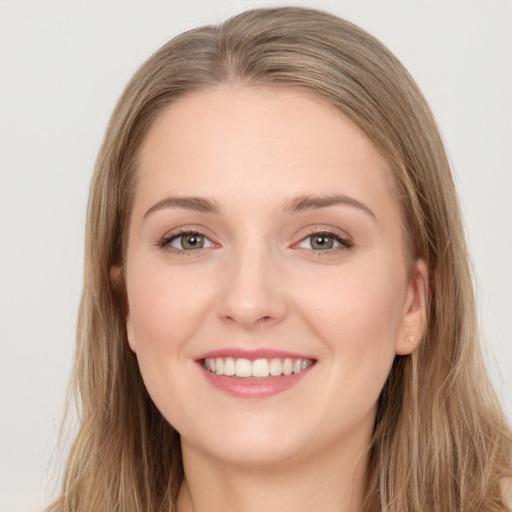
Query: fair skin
(269, 262)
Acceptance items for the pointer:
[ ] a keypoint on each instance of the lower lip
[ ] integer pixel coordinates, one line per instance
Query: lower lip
(254, 387)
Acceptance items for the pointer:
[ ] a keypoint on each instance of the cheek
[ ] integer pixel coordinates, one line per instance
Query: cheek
(357, 314)
(166, 311)
(166, 308)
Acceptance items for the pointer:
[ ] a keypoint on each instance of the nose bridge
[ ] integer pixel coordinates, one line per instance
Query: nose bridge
(251, 293)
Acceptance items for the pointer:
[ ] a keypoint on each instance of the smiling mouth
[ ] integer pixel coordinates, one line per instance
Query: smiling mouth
(257, 368)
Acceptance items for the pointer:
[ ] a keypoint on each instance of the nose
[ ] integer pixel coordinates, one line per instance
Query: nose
(252, 293)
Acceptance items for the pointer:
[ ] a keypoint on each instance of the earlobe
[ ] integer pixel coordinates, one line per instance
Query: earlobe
(414, 317)
(117, 282)
(116, 276)
(129, 333)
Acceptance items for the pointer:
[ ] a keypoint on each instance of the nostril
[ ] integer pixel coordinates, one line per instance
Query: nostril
(251, 307)
(249, 321)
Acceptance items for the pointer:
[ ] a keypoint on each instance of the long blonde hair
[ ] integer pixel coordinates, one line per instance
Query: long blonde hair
(441, 443)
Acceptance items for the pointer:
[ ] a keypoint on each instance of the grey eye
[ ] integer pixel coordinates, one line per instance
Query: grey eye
(322, 242)
(190, 241)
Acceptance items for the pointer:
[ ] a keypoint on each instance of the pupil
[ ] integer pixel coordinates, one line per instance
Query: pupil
(192, 242)
(322, 242)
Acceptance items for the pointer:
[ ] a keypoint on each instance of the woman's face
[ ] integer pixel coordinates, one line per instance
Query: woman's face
(268, 290)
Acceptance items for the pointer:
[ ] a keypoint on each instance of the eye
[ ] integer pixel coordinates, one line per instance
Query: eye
(186, 241)
(324, 241)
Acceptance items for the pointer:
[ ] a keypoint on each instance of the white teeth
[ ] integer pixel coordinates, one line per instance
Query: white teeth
(243, 368)
(276, 367)
(210, 365)
(259, 368)
(229, 366)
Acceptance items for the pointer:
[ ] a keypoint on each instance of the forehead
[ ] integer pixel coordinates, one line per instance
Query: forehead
(279, 136)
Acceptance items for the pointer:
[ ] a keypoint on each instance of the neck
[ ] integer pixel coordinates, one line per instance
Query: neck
(331, 481)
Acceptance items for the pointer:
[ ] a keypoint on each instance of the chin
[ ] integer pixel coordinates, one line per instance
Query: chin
(254, 450)
(257, 441)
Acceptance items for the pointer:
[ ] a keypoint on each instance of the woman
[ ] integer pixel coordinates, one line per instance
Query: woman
(277, 309)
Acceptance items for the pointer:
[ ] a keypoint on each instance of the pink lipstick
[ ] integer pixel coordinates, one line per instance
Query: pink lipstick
(254, 373)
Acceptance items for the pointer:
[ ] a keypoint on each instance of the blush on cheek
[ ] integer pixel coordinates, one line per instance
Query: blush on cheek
(166, 312)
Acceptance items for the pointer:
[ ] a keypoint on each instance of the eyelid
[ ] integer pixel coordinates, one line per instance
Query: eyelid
(342, 238)
(165, 241)
(185, 235)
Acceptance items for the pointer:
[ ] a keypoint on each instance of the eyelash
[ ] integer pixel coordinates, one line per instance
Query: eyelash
(344, 242)
(165, 242)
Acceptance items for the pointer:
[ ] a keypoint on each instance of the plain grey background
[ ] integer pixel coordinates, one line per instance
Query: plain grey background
(64, 63)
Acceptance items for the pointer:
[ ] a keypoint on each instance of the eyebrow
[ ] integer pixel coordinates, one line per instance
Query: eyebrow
(313, 202)
(199, 204)
(297, 204)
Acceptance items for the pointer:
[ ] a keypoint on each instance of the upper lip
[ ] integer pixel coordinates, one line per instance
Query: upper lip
(252, 354)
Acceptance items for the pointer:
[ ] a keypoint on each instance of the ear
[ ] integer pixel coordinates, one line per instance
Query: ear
(117, 282)
(129, 333)
(414, 315)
